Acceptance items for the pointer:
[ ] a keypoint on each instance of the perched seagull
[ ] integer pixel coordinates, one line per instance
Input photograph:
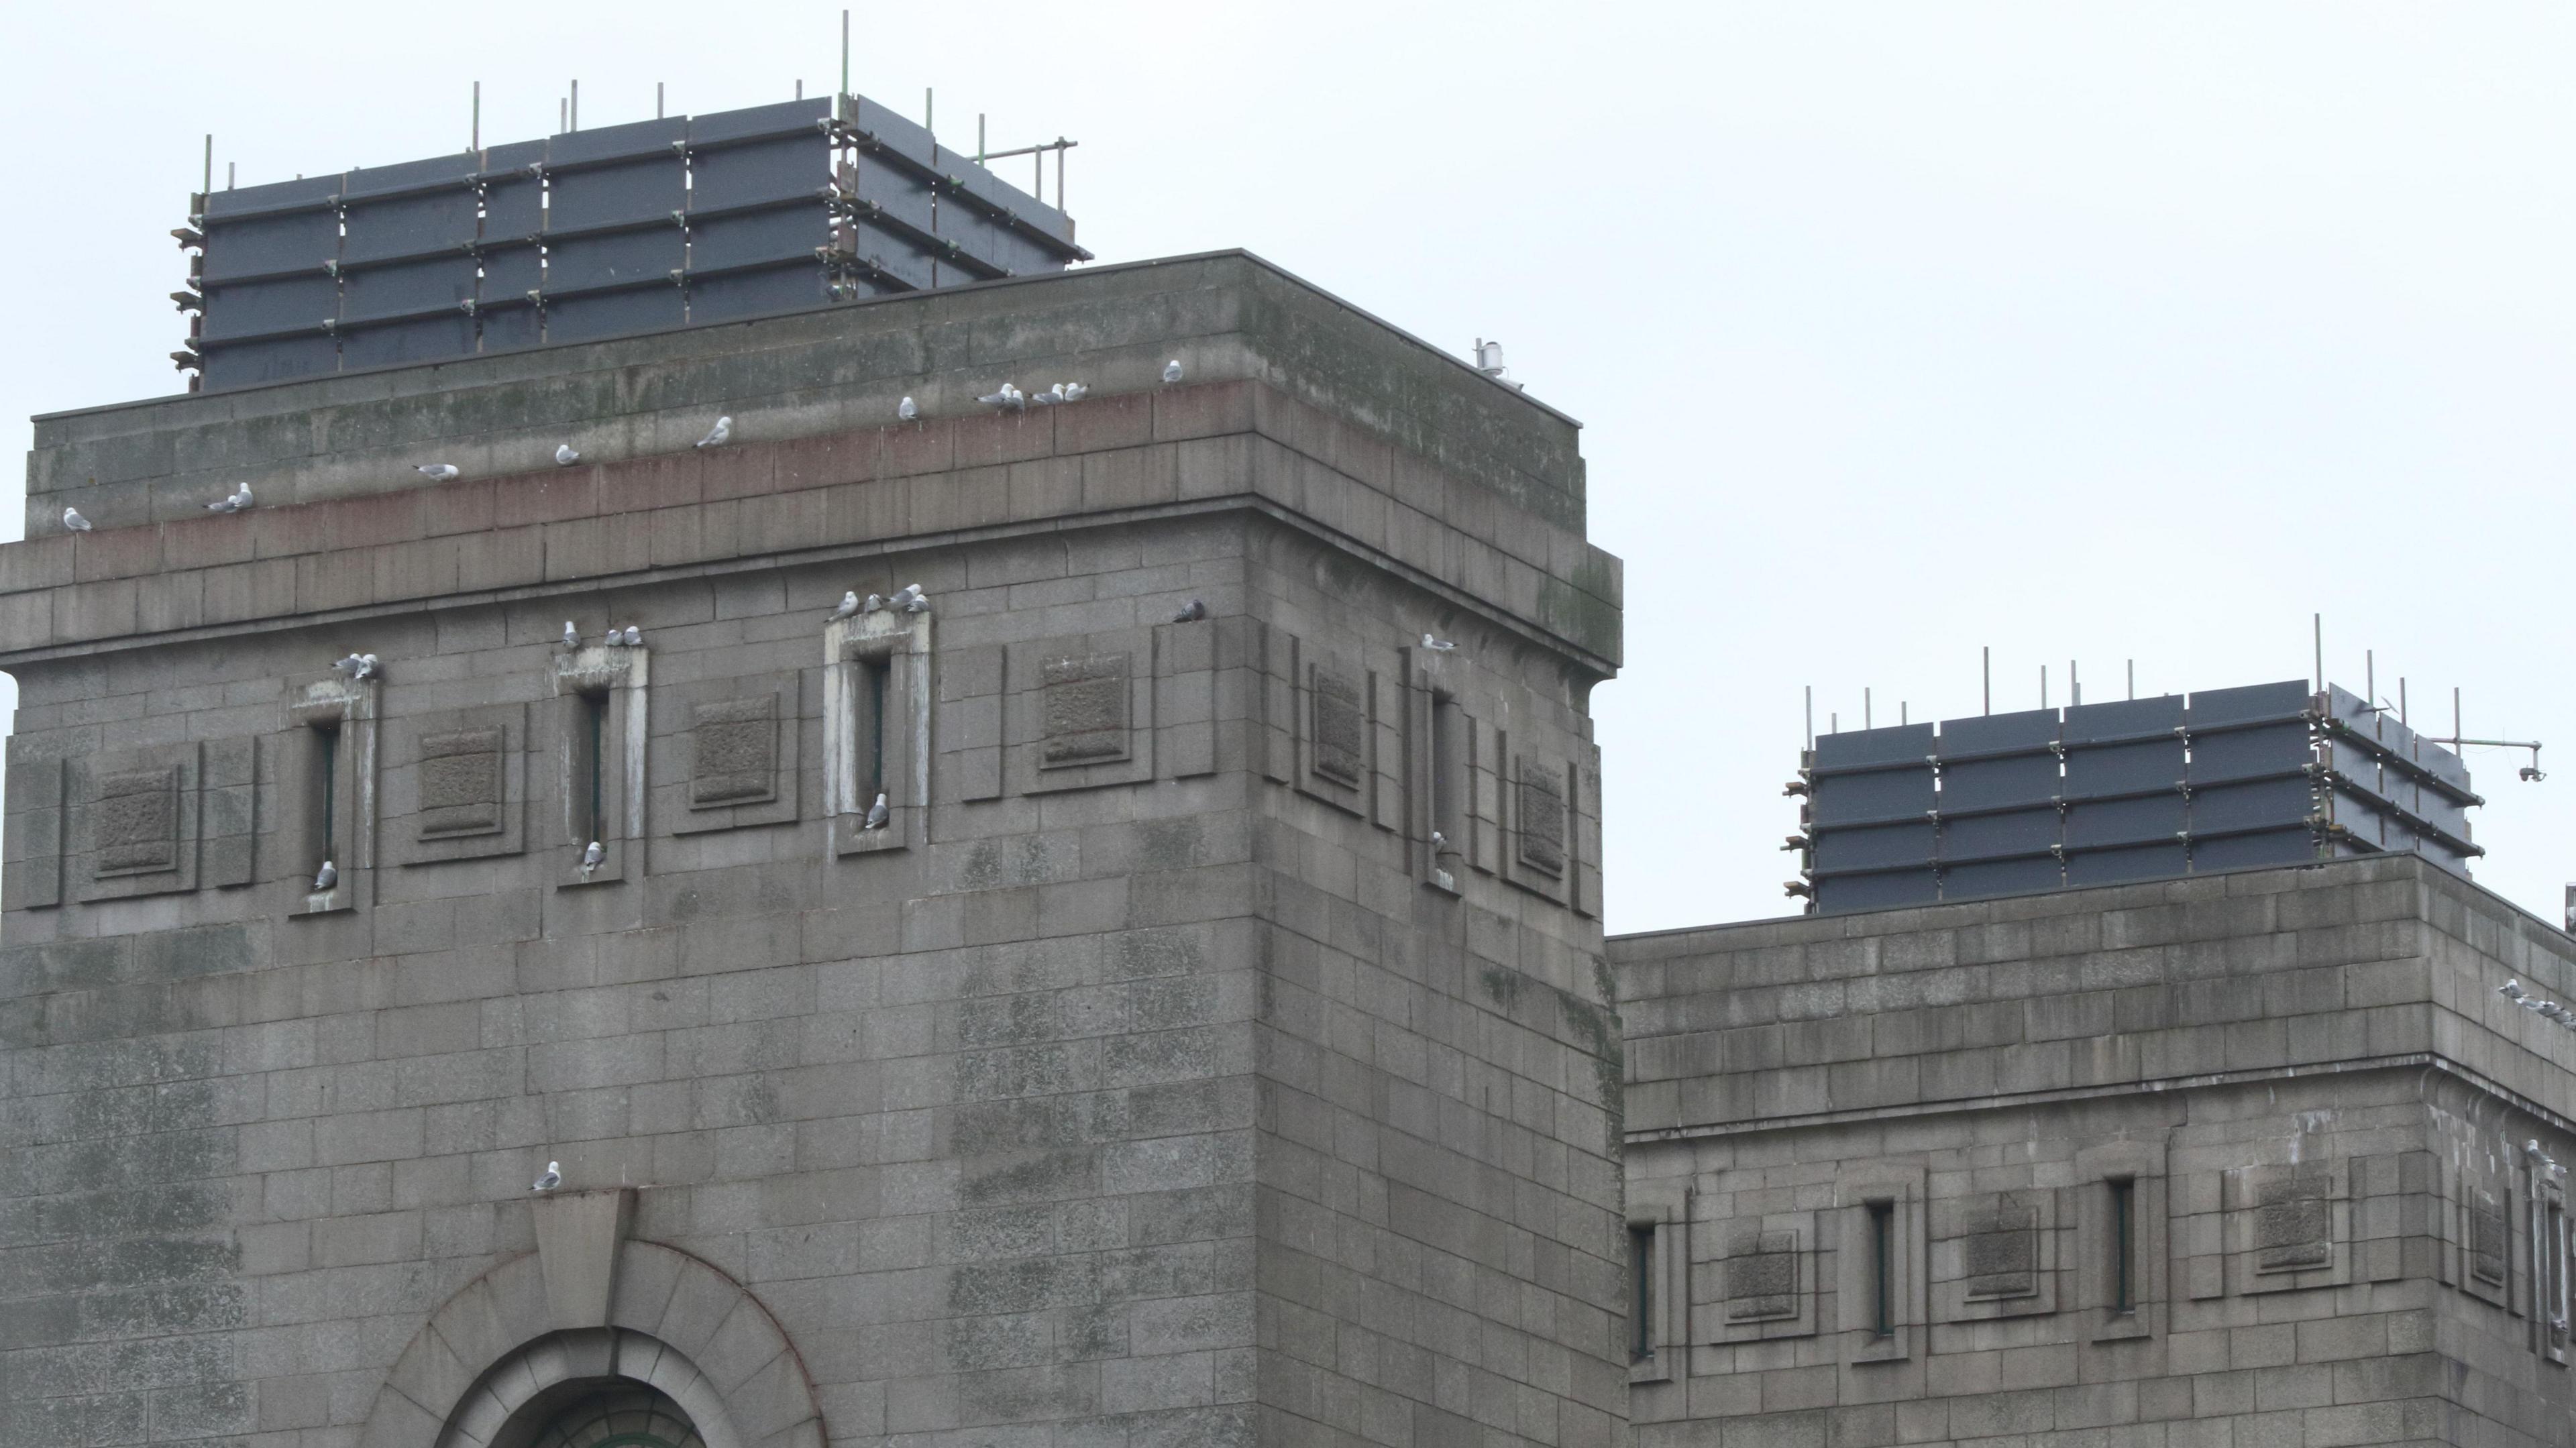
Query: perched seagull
(2511, 990)
(634, 637)
(1073, 391)
(1006, 397)
(1195, 610)
(1172, 370)
(73, 520)
(876, 815)
(613, 639)
(565, 456)
(572, 636)
(591, 855)
(550, 1179)
(349, 665)
(366, 666)
(1437, 646)
(1050, 397)
(911, 600)
(233, 502)
(326, 877)
(437, 472)
(875, 604)
(718, 435)
(1439, 843)
(907, 410)
(849, 604)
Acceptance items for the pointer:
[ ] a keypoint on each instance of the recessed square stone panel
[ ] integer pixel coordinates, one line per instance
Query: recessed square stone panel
(2487, 1237)
(1762, 1276)
(460, 782)
(135, 822)
(2002, 1255)
(1340, 727)
(1542, 818)
(735, 749)
(2293, 1224)
(1087, 719)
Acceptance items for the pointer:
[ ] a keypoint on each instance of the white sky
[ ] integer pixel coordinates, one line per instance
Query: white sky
(2101, 332)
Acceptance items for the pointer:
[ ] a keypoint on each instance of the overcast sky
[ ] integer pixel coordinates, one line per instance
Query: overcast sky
(2093, 332)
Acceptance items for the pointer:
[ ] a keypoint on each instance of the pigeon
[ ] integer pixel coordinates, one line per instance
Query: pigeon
(1437, 646)
(849, 604)
(326, 877)
(565, 456)
(2511, 990)
(549, 1179)
(437, 472)
(907, 410)
(876, 815)
(875, 604)
(73, 521)
(634, 637)
(718, 435)
(1195, 610)
(1073, 391)
(572, 636)
(1172, 370)
(591, 855)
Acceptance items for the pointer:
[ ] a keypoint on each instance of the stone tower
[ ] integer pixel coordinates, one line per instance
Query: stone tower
(1211, 1045)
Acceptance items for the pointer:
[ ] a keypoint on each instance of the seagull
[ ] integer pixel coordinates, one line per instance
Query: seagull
(875, 604)
(1439, 843)
(366, 666)
(1172, 370)
(326, 877)
(718, 435)
(1437, 646)
(73, 521)
(437, 472)
(2511, 990)
(349, 665)
(1050, 397)
(613, 639)
(572, 636)
(591, 855)
(876, 815)
(565, 456)
(550, 1179)
(907, 410)
(1195, 610)
(1073, 391)
(634, 637)
(911, 600)
(849, 604)
(233, 502)
(1006, 397)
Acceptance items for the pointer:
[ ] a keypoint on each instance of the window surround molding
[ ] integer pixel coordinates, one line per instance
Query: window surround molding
(2142, 1165)
(900, 644)
(351, 706)
(1857, 1187)
(1662, 1209)
(622, 675)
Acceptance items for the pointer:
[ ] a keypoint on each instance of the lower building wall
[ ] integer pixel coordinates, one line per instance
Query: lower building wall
(2343, 1259)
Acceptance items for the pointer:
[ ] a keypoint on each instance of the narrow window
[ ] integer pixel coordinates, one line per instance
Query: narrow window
(1641, 1292)
(323, 793)
(1448, 780)
(1882, 1269)
(2124, 1236)
(2556, 1271)
(590, 771)
(874, 675)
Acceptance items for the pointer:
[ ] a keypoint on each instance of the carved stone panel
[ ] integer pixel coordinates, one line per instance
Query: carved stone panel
(1541, 817)
(2293, 1226)
(1340, 726)
(2487, 1236)
(1995, 1255)
(460, 782)
(1079, 712)
(135, 822)
(734, 752)
(455, 785)
(1762, 1276)
(1086, 712)
(2003, 1251)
